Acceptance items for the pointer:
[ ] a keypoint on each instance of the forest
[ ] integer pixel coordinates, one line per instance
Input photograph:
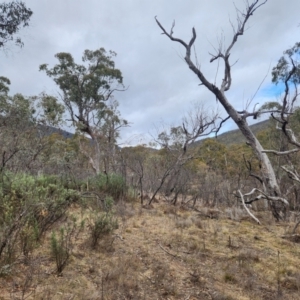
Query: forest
(193, 214)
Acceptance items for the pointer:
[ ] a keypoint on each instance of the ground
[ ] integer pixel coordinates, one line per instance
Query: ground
(165, 252)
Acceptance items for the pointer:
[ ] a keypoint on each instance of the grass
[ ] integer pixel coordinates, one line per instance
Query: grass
(163, 253)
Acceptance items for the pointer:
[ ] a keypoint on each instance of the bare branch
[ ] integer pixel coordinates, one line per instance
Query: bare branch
(170, 36)
(220, 126)
(292, 175)
(264, 196)
(247, 209)
(281, 153)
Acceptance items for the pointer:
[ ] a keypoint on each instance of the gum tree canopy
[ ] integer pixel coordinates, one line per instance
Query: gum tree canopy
(86, 88)
(13, 15)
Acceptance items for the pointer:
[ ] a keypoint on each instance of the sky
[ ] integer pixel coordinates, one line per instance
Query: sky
(161, 88)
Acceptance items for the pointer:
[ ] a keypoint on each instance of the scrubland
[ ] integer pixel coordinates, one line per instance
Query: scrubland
(157, 252)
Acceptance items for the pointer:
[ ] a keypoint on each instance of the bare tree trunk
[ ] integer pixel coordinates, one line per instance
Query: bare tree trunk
(268, 177)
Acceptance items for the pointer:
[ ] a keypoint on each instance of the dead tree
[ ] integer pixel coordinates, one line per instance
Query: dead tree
(271, 191)
(195, 125)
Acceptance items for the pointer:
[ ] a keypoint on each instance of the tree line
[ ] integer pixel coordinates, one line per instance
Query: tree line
(262, 172)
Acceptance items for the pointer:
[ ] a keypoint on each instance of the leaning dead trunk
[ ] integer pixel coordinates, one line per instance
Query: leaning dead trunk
(268, 177)
(271, 191)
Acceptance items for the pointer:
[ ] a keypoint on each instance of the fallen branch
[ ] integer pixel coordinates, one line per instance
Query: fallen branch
(247, 209)
(265, 196)
(174, 255)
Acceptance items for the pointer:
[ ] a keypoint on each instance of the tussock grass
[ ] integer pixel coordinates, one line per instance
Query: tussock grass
(162, 253)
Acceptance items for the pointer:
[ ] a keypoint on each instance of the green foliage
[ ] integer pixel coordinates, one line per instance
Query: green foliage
(86, 90)
(28, 239)
(108, 203)
(213, 154)
(101, 225)
(17, 110)
(4, 83)
(29, 206)
(13, 16)
(52, 110)
(290, 59)
(174, 138)
(85, 87)
(61, 247)
(109, 123)
(272, 105)
(112, 184)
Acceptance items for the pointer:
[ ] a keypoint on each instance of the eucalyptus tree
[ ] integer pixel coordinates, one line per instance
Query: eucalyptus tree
(13, 16)
(287, 74)
(85, 89)
(109, 125)
(270, 191)
(16, 117)
(23, 128)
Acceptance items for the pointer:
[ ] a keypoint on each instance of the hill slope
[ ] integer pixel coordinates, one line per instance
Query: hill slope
(165, 252)
(235, 136)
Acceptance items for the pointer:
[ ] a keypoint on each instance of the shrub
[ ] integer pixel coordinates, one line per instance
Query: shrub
(108, 203)
(28, 207)
(61, 247)
(112, 184)
(101, 225)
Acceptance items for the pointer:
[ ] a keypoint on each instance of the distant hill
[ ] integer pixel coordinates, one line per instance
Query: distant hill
(227, 138)
(48, 130)
(235, 136)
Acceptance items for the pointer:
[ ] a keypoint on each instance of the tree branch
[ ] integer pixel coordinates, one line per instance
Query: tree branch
(247, 209)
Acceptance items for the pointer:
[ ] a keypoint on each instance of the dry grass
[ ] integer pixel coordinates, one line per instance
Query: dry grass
(164, 252)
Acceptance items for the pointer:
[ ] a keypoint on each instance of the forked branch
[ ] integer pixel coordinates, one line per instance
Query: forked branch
(242, 19)
(247, 209)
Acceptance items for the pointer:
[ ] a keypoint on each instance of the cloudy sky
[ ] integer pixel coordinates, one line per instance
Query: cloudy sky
(161, 87)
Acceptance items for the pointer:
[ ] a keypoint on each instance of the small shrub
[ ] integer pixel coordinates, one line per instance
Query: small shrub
(131, 194)
(27, 240)
(29, 206)
(108, 203)
(112, 184)
(61, 248)
(101, 225)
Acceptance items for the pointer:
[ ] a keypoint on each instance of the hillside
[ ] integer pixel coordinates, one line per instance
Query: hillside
(227, 138)
(235, 136)
(48, 130)
(164, 252)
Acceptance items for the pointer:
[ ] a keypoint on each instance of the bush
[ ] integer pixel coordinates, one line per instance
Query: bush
(61, 247)
(101, 225)
(108, 203)
(112, 184)
(28, 207)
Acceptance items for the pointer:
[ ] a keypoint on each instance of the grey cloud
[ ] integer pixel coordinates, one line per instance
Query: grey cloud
(160, 84)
